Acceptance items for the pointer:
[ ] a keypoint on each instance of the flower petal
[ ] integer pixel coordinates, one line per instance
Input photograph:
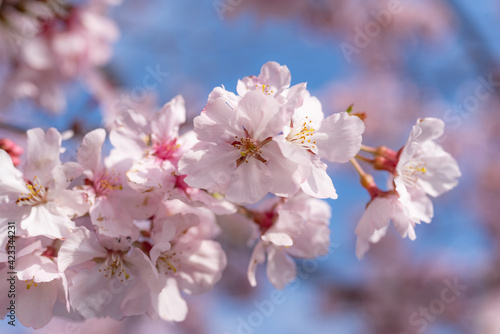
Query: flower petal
(339, 137)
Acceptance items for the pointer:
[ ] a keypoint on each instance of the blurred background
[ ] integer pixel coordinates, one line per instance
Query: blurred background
(395, 61)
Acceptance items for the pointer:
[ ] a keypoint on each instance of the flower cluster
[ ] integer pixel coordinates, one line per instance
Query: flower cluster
(131, 232)
(421, 168)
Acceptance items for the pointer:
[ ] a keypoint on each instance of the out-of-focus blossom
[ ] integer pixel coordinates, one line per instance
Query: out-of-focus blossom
(12, 149)
(65, 42)
(375, 29)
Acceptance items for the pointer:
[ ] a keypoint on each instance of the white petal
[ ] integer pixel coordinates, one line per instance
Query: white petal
(441, 172)
(319, 184)
(278, 239)
(37, 268)
(209, 166)
(375, 217)
(217, 123)
(64, 174)
(129, 133)
(137, 301)
(339, 137)
(149, 175)
(258, 257)
(68, 203)
(93, 295)
(167, 121)
(432, 128)
(260, 115)
(249, 183)
(35, 306)
(287, 175)
(11, 179)
(43, 154)
(281, 269)
(362, 246)
(111, 218)
(169, 304)
(311, 109)
(44, 220)
(203, 269)
(403, 224)
(80, 246)
(275, 75)
(146, 269)
(292, 151)
(89, 152)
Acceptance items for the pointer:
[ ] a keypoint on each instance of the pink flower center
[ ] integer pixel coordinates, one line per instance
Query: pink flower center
(265, 219)
(165, 149)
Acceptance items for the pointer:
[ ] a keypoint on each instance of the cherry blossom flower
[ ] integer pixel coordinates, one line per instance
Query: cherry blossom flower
(38, 199)
(40, 285)
(295, 227)
(154, 144)
(274, 80)
(420, 169)
(237, 155)
(423, 164)
(105, 272)
(294, 120)
(185, 257)
(113, 204)
(404, 213)
(310, 137)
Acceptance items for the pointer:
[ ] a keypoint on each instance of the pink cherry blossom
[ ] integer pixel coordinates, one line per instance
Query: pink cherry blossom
(274, 80)
(422, 168)
(39, 284)
(295, 227)
(423, 164)
(38, 198)
(113, 204)
(104, 271)
(237, 155)
(310, 137)
(185, 257)
(404, 212)
(155, 145)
